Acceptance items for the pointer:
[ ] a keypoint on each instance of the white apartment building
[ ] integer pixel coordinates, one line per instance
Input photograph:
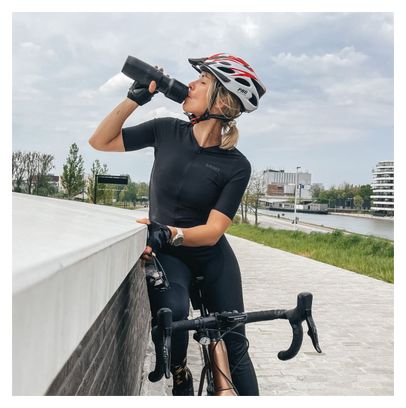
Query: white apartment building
(382, 199)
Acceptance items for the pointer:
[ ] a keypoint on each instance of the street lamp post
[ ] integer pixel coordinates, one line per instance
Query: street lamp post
(294, 218)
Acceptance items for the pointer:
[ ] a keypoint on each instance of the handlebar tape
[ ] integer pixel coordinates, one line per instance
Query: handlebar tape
(161, 336)
(296, 343)
(266, 315)
(159, 369)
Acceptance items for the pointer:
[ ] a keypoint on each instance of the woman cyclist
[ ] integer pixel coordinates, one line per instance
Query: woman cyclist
(197, 182)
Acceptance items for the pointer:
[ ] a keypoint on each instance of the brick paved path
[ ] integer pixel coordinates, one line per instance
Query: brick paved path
(354, 317)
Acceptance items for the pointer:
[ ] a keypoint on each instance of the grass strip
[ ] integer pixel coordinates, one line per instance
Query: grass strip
(369, 255)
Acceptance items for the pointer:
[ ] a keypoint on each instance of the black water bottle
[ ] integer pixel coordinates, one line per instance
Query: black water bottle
(144, 73)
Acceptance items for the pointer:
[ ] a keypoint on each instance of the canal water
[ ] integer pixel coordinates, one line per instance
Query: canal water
(382, 228)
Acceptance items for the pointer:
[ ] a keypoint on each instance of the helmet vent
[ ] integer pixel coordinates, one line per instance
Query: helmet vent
(254, 100)
(259, 88)
(242, 81)
(226, 70)
(225, 63)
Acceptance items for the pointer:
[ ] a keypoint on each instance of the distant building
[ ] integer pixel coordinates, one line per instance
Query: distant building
(304, 208)
(282, 184)
(382, 198)
(54, 181)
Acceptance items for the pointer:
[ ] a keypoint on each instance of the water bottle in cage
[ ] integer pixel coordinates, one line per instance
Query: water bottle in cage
(155, 274)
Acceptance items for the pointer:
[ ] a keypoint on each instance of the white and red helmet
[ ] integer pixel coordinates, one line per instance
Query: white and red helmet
(235, 75)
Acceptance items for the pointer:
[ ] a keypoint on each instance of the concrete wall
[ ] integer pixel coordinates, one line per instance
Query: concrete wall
(80, 307)
(109, 359)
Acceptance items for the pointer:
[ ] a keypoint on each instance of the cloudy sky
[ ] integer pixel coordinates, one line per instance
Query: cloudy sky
(328, 109)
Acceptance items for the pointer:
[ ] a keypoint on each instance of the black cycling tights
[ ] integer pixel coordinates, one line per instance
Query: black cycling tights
(221, 291)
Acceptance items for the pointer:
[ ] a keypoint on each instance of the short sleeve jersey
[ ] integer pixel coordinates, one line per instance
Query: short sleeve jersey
(188, 181)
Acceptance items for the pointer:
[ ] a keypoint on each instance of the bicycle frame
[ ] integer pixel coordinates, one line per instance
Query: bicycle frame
(221, 369)
(216, 366)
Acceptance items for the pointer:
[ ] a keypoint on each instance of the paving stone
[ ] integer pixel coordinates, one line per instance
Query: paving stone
(354, 317)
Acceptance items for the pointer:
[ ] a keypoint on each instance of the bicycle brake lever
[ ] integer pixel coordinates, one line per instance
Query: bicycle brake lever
(167, 355)
(312, 332)
(165, 321)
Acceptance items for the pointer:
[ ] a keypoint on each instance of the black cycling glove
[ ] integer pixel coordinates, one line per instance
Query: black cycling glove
(139, 93)
(158, 236)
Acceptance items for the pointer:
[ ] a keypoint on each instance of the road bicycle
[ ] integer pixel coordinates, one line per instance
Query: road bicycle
(210, 328)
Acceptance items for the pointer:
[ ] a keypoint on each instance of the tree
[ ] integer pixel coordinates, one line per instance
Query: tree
(245, 203)
(73, 172)
(97, 168)
(142, 189)
(256, 191)
(365, 191)
(358, 201)
(130, 194)
(31, 166)
(120, 189)
(250, 200)
(18, 170)
(344, 193)
(316, 189)
(42, 179)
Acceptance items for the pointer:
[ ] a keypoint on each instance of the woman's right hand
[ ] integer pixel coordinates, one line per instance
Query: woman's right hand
(140, 94)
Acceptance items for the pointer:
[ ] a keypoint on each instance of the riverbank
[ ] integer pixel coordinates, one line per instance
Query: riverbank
(372, 217)
(271, 221)
(377, 227)
(365, 255)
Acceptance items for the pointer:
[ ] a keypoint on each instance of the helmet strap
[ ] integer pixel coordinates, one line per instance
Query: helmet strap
(206, 116)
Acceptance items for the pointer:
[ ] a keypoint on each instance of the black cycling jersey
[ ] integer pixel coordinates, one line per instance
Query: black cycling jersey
(188, 181)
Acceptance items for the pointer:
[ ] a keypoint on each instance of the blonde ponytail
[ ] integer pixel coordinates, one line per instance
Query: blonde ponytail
(229, 135)
(230, 107)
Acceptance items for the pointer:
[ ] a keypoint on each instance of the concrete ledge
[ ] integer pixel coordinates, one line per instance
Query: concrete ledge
(69, 258)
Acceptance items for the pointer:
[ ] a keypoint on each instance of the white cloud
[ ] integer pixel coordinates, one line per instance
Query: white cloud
(33, 50)
(363, 90)
(30, 46)
(92, 125)
(28, 87)
(250, 28)
(116, 85)
(315, 64)
(118, 82)
(61, 129)
(87, 94)
(164, 111)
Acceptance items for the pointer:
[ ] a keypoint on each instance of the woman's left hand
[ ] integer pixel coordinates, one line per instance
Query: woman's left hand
(158, 236)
